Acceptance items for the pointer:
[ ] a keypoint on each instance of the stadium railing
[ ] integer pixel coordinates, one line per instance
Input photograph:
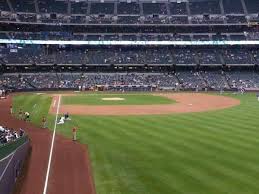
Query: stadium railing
(12, 157)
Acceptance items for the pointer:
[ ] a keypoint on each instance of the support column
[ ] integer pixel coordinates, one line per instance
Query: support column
(36, 6)
(115, 8)
(221, 7)
(141, 8)
(168, 9)
(10, 6)
(69, 8)
(88, 8)
(244, 7)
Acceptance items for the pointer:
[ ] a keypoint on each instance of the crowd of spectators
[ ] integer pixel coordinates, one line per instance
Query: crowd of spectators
(121, 36)
(242, 79)
(8, 135)
(238, 56)
(205, 12)
(36, 54)
(178, 80)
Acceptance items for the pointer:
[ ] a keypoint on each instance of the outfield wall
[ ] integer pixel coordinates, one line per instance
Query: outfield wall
(119, 88)
(11, 165)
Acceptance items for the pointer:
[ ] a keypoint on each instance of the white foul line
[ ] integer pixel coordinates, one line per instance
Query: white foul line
(12, 155)
(51, 148)
(7, 165)
(54, 104)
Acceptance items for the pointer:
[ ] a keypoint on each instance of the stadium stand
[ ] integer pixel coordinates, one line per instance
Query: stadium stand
(79, 8)
(252, 6)
(233, 7)
(182, 66)
(178, 8)
(61, 11)
(204, 7)
(183, 79)
(37, 54)
(125, 8)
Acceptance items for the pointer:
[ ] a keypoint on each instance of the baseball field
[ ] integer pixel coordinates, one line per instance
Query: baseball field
(201, 144)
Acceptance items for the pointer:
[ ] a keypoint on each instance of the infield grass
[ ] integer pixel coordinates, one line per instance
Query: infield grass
(196, 153)
(126, 99)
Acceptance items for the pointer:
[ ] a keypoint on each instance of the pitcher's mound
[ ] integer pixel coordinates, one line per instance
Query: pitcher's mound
(113, 99)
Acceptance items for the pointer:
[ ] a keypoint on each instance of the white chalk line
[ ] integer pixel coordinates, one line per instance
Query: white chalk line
(51, 148)
(54, 104)
(6, 157)
(35, 110)
(7, 166)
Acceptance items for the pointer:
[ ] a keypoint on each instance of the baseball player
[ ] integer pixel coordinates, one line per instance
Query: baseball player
(61, 121)
(44, 122)
(74, 133)
(257, 95)
(242, 90)
(11, 109)
(27, 116)
(20, 114)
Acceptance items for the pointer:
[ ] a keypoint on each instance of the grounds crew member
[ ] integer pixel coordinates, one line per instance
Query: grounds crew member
(11, 109)
(20, 114)
(74, 133)
(44, 122)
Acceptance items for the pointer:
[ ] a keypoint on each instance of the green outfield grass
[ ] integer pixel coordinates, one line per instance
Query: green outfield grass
(129, 99)
(196, 153)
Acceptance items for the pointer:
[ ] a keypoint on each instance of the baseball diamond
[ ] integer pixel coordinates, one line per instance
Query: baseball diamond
(186, 102)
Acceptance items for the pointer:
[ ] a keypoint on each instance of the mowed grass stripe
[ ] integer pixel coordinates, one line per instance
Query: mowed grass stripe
(209, 126)
(225, 137)
(38, 106)
(163, 141)
(204, 145)
(201, 135)
(189, 150)
(149, 153)
(104, 122)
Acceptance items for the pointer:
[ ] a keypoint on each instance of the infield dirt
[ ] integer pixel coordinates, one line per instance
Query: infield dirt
(186, 103)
